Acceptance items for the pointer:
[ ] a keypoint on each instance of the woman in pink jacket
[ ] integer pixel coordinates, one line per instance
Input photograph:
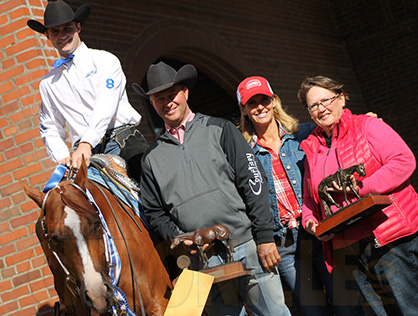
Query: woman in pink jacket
(380, 253)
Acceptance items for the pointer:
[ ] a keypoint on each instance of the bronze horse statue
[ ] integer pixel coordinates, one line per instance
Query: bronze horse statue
(73, 239)
(209, 236)
(342, 178)
(203, 235)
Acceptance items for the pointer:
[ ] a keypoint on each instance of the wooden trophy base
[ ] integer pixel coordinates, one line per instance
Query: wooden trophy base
(227, 271)
(352, 213)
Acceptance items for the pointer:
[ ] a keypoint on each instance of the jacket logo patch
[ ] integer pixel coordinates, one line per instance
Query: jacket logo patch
(91, 73)
(256, 183)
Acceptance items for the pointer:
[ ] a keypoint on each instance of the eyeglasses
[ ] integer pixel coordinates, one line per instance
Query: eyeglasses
(325, 103)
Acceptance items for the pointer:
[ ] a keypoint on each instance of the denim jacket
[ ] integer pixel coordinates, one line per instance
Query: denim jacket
(293, 159)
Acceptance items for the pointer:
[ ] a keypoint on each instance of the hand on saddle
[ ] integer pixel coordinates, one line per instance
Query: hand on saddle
(338, 188)
(84, 149)
(66, 162)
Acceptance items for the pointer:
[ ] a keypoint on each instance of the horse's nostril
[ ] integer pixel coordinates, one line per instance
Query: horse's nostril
(109, 289)
(87, 299)
(110, 297)
(109, 292)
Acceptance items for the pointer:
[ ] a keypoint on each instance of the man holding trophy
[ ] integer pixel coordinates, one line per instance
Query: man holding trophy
(200, 172)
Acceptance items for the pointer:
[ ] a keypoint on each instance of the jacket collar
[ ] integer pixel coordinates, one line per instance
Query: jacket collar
(318, 135)
(164, 134)
(284, 135)
(339, 130)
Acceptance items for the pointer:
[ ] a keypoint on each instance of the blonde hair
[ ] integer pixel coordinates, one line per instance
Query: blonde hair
(286, 120)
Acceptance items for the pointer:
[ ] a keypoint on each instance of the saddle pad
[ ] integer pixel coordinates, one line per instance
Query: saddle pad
(94, 175)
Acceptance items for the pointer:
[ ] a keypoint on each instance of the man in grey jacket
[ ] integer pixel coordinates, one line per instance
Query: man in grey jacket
(201, 172)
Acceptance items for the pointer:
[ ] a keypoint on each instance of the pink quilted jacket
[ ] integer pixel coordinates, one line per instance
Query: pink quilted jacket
(389, 164)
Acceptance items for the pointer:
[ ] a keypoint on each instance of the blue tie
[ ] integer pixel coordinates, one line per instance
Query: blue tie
(60, 62)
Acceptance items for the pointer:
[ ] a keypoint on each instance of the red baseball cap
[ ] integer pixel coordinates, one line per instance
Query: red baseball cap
(251, 86)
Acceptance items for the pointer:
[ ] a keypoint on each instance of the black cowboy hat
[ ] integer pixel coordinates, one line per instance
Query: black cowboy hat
(59, 13)
(161, 76)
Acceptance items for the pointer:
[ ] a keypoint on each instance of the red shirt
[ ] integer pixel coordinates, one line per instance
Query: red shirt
(289, 208)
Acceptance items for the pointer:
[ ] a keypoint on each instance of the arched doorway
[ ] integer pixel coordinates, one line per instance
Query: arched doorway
(179, 42)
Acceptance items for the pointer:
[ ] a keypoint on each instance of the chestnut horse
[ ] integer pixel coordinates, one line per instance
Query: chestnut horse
(72, 237)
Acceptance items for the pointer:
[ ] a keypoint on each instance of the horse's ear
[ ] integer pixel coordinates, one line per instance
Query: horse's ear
(81, 177)
(34, 194)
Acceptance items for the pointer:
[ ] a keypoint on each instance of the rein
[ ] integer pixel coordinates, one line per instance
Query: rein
(133, 274)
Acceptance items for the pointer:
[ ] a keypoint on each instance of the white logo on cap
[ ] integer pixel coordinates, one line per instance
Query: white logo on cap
(253, 83)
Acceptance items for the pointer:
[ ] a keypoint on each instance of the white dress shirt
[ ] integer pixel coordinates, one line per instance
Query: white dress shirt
(88, 95)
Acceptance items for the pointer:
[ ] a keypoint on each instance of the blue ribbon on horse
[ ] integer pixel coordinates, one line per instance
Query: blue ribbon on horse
(112, 256)
(55, 178)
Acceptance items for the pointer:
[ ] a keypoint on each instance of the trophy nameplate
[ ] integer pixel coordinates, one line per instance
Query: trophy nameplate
(227, 271)
(352, 214)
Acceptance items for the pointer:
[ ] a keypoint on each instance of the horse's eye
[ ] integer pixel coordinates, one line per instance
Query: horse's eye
(55, 241)
(97, 227)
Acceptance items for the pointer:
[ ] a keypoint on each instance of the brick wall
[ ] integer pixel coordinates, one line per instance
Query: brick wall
(226, 40)
(25, 281)
(382, 43)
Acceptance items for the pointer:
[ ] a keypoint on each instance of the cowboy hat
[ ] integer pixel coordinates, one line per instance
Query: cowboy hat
(59, 13)
(161, 76)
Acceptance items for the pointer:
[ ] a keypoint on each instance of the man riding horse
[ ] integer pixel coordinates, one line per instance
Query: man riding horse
(85, 91)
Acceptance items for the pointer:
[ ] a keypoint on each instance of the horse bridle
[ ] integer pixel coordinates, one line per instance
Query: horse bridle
(69, 278)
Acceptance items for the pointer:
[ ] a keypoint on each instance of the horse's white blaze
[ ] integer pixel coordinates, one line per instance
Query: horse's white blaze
(92, 279)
